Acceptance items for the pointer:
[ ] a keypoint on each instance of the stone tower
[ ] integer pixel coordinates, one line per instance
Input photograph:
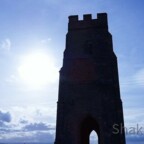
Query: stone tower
(89, 94)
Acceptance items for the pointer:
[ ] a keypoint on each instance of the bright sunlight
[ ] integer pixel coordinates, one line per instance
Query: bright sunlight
(37, 69)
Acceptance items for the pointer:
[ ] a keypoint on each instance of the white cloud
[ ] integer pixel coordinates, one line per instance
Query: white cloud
(23, 115)
(37, 127)
(5, 116)
(5, 44)
(28, 124)
(46, 41)
(139, 77)
(41, 136)
(133, 81)
(12, 78)
(134, 116)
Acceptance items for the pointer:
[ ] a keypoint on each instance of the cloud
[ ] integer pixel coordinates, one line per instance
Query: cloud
(11, 79)
(133, 82)
(45, 137)
(134, 116)
(2, 126)
(139, 77)
(46, 41)
(28, 124)
(24, 137)
(33, 114)
(5, 44)
(31, 124)
(37, 127)
(135, 139)
(33, 132)
(5, 117)
(22, 121)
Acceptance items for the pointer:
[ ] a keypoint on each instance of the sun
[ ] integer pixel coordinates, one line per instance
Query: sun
(37, 69)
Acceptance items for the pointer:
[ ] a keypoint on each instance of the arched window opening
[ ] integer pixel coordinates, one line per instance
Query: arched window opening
(93, 138)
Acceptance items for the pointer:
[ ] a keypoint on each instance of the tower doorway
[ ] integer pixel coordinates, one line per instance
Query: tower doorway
(90, 132)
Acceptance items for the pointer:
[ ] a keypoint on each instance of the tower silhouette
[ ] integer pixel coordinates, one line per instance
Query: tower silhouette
(89, 94)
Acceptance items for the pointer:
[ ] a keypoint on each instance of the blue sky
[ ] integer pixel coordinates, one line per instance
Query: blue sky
(34, 30)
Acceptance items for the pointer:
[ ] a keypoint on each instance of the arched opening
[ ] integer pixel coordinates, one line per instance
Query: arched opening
(93, 138)
(88, 127)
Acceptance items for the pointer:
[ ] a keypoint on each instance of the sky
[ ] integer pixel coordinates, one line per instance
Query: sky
(32, 41)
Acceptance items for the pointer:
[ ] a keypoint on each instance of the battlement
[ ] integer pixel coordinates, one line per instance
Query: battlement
(88, 22)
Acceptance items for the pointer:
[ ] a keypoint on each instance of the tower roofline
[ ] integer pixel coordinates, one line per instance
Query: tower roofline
(88, 22)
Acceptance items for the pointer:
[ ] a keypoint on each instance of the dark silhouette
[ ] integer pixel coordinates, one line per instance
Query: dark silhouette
(89, 94)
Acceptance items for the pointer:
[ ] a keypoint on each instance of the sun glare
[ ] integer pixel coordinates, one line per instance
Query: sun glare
(38, 69)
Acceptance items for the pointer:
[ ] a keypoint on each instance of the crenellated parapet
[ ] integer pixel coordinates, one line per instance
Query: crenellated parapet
(88, 22)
